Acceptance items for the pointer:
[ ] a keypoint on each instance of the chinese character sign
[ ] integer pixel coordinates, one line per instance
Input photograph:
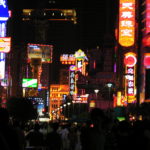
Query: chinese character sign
(130, 83)
(126, 22)
(72, 81)
(67, 59)
(147, 16)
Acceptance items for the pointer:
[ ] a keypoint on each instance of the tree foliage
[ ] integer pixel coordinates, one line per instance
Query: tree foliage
(21, 109)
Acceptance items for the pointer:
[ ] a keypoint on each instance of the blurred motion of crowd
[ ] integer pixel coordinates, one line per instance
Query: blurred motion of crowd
(100, 132)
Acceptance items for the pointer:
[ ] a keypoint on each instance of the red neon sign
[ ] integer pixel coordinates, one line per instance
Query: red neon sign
(130, 60)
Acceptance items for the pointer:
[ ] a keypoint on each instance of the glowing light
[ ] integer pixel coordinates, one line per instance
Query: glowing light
(130, 60)
(147, 60)
(127, 23)
(147, 16)
(4, 15)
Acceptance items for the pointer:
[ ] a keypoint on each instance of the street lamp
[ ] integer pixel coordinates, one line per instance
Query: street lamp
(96, 92)
(109, 85)
(64, 105)
(68, 108)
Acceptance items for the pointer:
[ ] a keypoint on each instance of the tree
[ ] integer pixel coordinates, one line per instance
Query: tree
(21, 109)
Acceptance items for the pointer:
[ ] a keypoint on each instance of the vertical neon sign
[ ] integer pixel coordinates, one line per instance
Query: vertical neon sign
(72, 80)
(147, 16)
(126, 22)
(130, 62)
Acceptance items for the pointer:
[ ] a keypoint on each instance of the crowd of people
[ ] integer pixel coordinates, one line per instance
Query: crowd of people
(100, 132)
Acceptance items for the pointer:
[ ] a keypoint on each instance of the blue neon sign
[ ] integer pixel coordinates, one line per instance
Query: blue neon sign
(4, 15)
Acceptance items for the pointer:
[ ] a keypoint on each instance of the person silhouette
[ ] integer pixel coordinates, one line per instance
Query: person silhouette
(8, 136)
(53, 138)
(93, 137)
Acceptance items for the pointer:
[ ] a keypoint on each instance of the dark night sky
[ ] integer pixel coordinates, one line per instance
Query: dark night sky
(95, 17)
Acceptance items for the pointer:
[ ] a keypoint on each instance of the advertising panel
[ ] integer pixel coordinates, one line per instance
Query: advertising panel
(2, 29)
(127, 23)
(5, 44)
(29, 83)
(130, 63)
(40, 51)
(80, 99)
(2, 66)
(147, 60)
(67, 59)
(4, 15)
(72, 82)
(147, 11)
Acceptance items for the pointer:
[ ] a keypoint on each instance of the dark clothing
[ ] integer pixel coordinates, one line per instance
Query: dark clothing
(53, 141)
(91, 139)
(8, 139)
(35, 138)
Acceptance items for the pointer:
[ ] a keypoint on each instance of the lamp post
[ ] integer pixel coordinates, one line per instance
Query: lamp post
(68, 108)
(109, 85)
(64, 105)
(96, 92)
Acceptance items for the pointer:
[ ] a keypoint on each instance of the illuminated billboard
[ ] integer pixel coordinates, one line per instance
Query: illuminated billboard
(72, 82)
(29, 83)
(127, 23)
(2, 29)
(5, 44)
(67, 59)
(2, 66)
(147, 12)
(80, 99)
(130, 61)
(40, 51)
(80, 54)
(4, 15)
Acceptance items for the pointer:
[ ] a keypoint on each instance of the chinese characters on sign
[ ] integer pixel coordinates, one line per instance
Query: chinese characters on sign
(67, 59)
(126, 22)
(72, 82)
(130, 81)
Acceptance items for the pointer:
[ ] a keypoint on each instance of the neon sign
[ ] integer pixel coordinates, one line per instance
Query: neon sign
(4, 15)
(5, 44)
(130, 60)
(67, 59)
(72, 82)
(147, 16)
(2, 66)
(126, 22)
(130, 81)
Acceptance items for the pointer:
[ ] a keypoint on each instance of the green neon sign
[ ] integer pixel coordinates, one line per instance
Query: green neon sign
(29, 83)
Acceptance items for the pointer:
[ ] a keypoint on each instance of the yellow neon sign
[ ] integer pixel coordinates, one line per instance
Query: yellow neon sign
(127, 23)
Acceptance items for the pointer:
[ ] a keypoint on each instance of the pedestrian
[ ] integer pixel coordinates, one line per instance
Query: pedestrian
(35, 137)
(8, 136)
(53, 139)
(93, 137)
